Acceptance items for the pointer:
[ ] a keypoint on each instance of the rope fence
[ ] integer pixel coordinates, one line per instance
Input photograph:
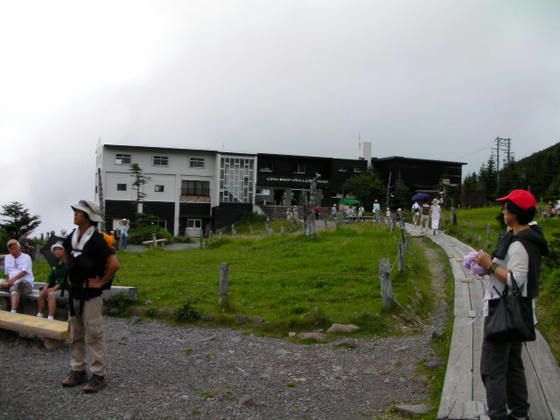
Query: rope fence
(215, 270)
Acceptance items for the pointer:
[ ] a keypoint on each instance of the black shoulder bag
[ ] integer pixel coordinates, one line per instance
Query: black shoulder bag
(510, 318)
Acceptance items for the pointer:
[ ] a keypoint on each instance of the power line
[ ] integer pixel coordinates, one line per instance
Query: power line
(472, 153)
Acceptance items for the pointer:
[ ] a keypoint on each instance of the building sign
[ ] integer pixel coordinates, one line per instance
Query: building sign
(300, 180)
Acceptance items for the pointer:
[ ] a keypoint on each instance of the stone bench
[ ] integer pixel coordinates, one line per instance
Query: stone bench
(155, 242)
(29, 324)
(131, 292)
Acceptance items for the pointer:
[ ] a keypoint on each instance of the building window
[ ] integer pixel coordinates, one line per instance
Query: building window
(160, 160)
(237, 177)
(121, 187)
(196, 162)
(357, 170)
(300, 168)
(122, 159)
(158, 188)
(341, 169)
(265, 167)
(199, 188)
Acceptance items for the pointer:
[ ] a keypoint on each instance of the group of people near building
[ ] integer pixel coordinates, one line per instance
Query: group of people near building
(424, 213)
(85, 266)
(348, 210)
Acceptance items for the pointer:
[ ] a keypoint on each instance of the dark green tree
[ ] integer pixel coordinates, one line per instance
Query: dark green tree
(365, 187)
(488, 178)
(16, 220)
(140, 180)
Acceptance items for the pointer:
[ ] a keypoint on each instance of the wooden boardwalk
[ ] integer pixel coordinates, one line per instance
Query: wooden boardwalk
(463, 395)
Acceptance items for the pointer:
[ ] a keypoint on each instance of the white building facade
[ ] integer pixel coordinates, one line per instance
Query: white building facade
(186, 189)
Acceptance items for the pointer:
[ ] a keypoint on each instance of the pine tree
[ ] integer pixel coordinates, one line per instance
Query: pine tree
(139, 181)
(16, 221)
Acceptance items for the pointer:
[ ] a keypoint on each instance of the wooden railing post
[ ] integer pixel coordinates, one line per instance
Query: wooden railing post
(224, 280)
(400, 256)
(385, 283)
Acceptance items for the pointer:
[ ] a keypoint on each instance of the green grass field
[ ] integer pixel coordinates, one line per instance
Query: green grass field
(293, 283)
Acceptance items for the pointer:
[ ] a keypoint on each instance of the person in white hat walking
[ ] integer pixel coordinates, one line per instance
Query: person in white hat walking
(435, 214)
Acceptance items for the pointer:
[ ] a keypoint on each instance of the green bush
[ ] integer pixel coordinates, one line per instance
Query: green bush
(553, 283)
(120, 301)
(186, 313)
(145, 233)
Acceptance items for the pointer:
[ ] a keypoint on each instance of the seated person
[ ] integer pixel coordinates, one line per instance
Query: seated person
(56, 283)
(17, 266)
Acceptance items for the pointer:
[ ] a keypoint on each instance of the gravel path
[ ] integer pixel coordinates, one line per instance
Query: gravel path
(158, 371)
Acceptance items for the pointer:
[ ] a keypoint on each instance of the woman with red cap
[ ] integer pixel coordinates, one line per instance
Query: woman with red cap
(517, 258)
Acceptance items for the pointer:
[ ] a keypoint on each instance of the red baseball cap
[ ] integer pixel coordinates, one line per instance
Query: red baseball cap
(522, 198)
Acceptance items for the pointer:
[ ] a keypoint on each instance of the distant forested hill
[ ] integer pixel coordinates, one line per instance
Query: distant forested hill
(539, 172)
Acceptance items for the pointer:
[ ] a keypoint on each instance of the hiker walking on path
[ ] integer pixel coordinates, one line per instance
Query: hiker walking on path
(435, 214)
(55, 284)
(376, 210)
(92, 266)
(415, 213)
(18, 267)
(424, 216)
(517, 258)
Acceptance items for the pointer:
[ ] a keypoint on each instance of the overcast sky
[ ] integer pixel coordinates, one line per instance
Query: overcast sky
(437, 79)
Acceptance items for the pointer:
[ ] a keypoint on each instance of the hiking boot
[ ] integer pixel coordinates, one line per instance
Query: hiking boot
(95, 384)
(75, 377)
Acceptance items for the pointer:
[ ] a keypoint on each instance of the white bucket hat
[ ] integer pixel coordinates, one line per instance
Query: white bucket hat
(89, 208)
(56, 245)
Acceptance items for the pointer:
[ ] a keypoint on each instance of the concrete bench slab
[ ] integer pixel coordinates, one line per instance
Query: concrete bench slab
(29, 324)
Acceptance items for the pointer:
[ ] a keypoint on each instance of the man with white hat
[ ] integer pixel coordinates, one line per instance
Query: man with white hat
(17, 266)
(92, 265)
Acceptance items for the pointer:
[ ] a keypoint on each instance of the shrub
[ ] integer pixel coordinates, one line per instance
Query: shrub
(120, 301)
(186, 313)
(145, 233)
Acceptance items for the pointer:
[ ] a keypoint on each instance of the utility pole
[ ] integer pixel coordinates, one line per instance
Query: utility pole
(101, 199)
(388, 191)
(502, 145)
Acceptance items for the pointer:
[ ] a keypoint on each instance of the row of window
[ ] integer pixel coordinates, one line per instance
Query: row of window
(300, 168)
(196, 162)
(199, 188)
(126, 159)
(157, 188)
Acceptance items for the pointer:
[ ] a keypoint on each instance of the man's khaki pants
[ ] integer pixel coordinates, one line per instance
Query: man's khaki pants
(87, 329)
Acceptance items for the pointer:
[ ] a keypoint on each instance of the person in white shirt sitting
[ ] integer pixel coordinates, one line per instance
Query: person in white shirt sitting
(18, 268)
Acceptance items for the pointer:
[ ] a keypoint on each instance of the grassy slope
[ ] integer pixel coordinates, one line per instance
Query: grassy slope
(291, 289)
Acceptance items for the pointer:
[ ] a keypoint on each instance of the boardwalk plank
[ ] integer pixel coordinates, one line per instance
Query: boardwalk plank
(457, 386)
(457, 269)
(462, 306)
(545, 377)
(479, 392)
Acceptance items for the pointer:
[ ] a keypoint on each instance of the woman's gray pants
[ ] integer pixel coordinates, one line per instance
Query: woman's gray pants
(503, 375)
